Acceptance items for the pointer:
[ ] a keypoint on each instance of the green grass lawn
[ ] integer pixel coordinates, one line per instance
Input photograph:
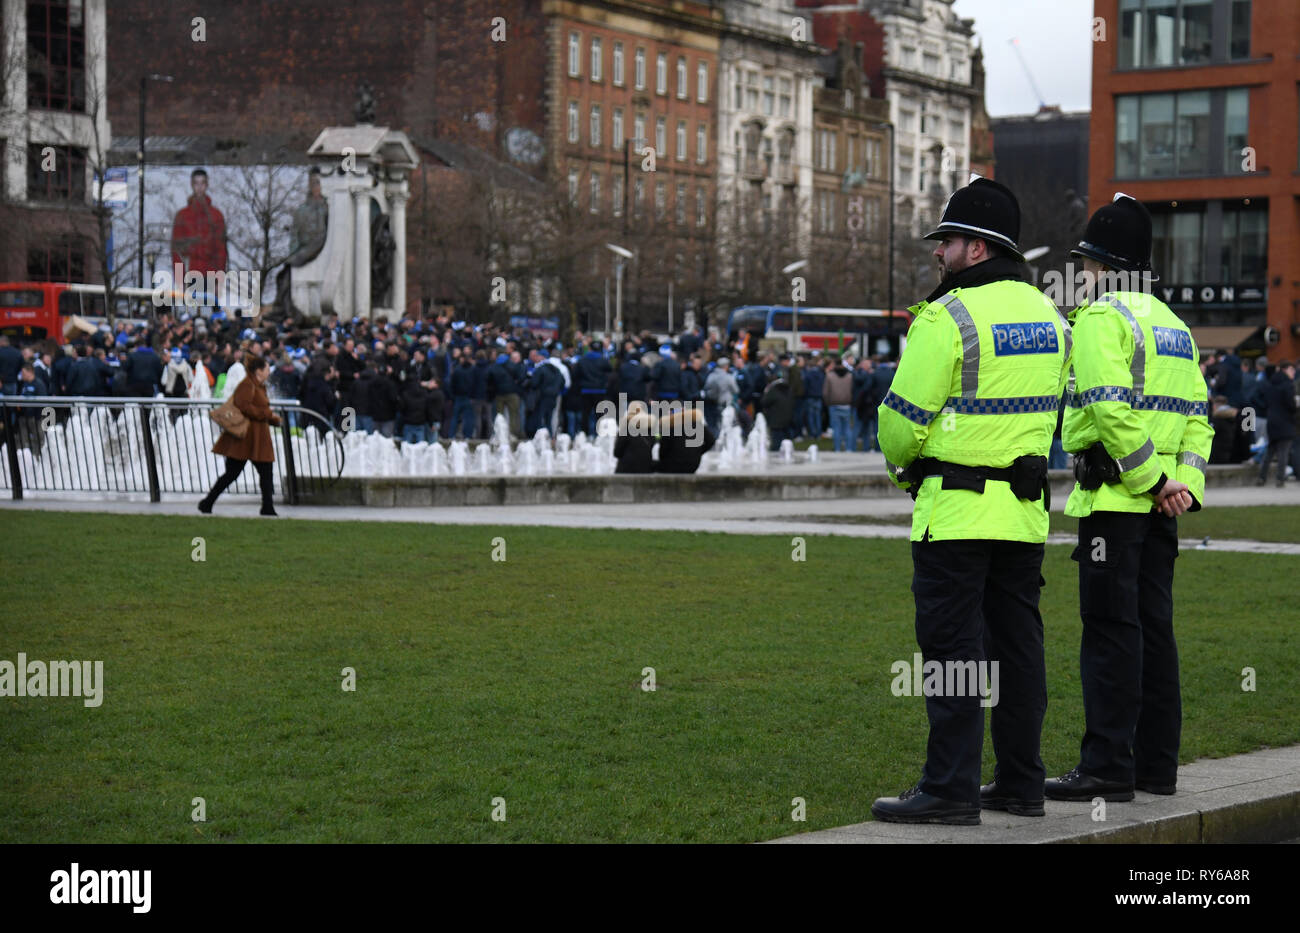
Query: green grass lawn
(1280, 523)
(522, 679)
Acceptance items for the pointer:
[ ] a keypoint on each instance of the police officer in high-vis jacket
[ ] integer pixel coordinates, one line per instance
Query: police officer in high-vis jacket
(1137, 424)
(966, 428)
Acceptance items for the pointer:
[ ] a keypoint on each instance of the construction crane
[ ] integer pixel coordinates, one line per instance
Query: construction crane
(1042, 104)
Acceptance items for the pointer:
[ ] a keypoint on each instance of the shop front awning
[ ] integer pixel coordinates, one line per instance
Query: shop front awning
(1222, 338)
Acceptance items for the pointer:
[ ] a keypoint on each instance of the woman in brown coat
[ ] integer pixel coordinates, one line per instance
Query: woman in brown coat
(249, 398)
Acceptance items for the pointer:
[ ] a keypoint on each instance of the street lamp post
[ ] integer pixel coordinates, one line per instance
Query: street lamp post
(794, 317)
(144, 83)
(621, 255)
(890, 127)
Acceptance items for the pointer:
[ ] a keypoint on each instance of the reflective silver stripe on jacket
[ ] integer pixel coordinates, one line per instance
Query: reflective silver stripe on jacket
(970, 345)
(1193, 460)
(1138, 457)
(1138, 368)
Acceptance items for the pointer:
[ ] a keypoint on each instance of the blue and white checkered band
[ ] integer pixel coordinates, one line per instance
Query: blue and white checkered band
(909, 411)
(1003, 406)
(1169, 403)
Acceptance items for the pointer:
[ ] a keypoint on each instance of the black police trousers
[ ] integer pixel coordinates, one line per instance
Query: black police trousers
(1128, 659)
(977, 600)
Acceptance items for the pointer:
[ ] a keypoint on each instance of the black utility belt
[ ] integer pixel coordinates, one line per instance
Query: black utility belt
(1095, 467)
(1027, 475)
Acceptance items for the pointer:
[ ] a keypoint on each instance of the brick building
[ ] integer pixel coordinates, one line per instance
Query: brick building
(850, 206)
(54, 132)
(1194, 112)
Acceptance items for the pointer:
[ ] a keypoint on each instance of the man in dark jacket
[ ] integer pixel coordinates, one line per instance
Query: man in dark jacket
(318, 390)
(504, 384)
(462, 412)
(88, 375)
(667, 375)
(692, 380)
(778, 411)
(548, 382)
(632, 378)
(814, 379)
(1280, 399)
(144, 370)
(11, 363)
(592, 373)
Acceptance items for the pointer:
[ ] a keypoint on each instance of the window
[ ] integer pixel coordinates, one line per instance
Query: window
(905, 178)
(1177, 245)
(907, 121)
(1169, 33)
(826, 143)
(681, 141)
(639, 70)
(661, 137)
(617, 195)
(787, 95)
(909, 58)
(702, 82)
(850, 153)
(874, 167)
(751, 90)
(1189, 133)
(573, 121)
(740, 89)
(573, 187)
(575, 55)
(62, 260)
(617, 65)
(68, 180)
(825, 211)
(616, 129)
(597, 62)
(679, 204)
(638, 196)
(701, 213)
(595, 124)
(931, 64)
(958, 72)
(921, 174)
(956, 131)
(702, 142)
(661, 200)
(56, 55)
(595, 194)
(1236, 118)
(1243, 252)
(769, 95)
(638, 132)
(683, 88)
(661, 73)
(1239, 37)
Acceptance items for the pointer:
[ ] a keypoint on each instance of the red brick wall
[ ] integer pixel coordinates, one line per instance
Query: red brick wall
(858, 26)
(293, 66)
(1273, 74)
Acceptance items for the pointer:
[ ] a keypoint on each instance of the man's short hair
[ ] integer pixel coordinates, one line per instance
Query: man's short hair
(197, 172)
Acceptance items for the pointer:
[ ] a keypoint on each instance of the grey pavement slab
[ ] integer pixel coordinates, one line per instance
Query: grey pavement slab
(1244, 798)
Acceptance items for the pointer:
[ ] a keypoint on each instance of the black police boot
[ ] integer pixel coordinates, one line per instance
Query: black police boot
(1156, 787)
(916, 806)
(1075, 785)
(991, 798)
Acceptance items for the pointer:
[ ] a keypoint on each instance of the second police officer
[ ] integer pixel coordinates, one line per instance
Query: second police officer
(966, 429)
(1137, 423)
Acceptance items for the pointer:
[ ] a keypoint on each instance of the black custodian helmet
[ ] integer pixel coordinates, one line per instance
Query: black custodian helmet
(983, 209)
(1119, 235)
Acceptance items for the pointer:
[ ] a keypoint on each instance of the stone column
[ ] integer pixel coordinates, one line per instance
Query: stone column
(397, 197)
(361, 252)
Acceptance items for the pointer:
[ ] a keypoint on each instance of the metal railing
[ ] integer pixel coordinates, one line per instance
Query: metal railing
(153, 445)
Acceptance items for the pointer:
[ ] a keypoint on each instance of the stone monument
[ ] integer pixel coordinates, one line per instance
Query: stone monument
(364, 171)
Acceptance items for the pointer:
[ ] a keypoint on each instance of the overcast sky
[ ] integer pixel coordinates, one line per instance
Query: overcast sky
(1056, 41)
